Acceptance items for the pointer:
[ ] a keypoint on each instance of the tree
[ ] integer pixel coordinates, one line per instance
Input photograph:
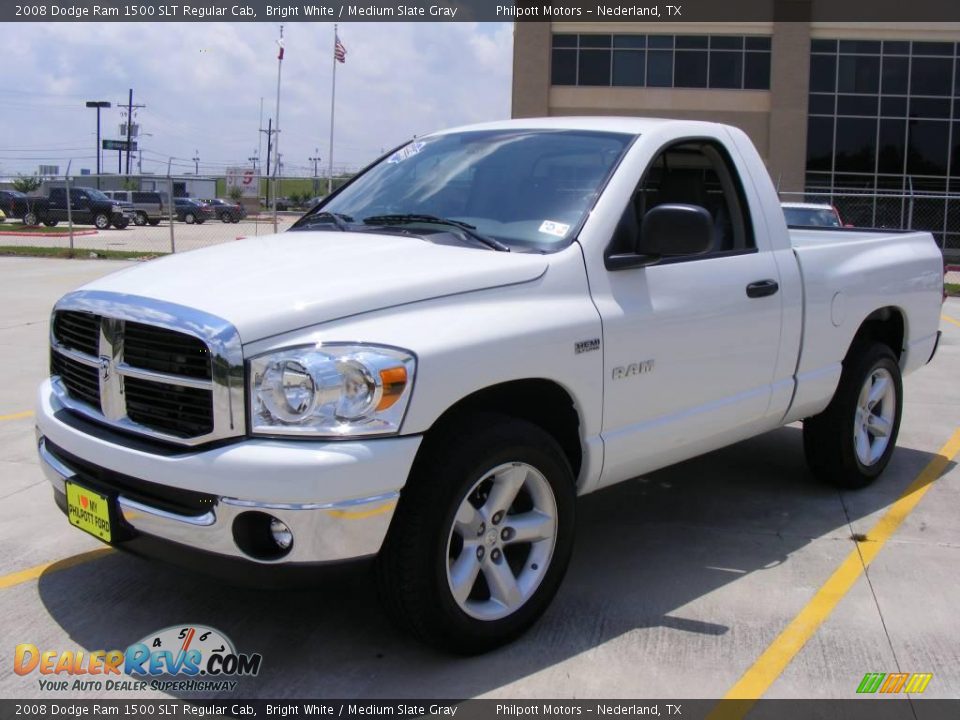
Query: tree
(235, 193)
(26, 183)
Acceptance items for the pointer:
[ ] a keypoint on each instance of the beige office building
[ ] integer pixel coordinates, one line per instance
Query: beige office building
(832, 107)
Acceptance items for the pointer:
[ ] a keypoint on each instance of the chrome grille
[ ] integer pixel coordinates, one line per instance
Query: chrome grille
(78, 331)
(182, 411)
(159, 349)
(82, 381)
(148, 367)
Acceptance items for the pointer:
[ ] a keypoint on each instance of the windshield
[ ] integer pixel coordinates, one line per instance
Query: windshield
(524, 188)
(811, 217)
(95, 194)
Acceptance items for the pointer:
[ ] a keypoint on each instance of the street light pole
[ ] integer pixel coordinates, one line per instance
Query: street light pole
(98, 104)
(196, 162)
(315, 160)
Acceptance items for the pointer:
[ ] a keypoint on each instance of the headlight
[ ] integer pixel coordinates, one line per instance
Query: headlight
(330, 390)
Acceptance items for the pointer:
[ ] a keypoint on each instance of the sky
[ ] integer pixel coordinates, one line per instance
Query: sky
(202, 84)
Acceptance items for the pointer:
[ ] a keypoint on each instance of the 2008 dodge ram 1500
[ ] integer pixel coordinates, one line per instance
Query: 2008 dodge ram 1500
(481, 326)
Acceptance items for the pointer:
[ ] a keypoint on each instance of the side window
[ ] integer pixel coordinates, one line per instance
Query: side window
(699, 173)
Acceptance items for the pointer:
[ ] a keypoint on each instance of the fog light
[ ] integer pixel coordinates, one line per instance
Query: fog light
(281, 534)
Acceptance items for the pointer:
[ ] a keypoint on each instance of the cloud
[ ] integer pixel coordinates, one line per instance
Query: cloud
(202, 84)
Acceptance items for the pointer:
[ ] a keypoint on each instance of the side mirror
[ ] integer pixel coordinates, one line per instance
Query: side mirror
(671, 230)
(668, 230)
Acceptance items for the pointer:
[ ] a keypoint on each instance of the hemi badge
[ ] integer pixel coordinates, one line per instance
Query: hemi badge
(586, 346)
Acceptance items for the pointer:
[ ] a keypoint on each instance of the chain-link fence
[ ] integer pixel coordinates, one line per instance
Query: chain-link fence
(938, 214)
(156, 214)
(160, 214)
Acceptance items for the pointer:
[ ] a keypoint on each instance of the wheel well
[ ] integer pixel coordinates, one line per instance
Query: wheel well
(885, 326)
(541, 402)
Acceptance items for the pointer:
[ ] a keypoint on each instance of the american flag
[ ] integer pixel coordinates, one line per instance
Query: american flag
(339, 51)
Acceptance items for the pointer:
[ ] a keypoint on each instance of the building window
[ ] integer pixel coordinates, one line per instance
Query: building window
(883, 137)
(881, 112)
(732, 62)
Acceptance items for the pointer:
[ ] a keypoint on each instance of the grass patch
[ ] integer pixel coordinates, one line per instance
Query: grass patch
(953, 289)
(78, 253)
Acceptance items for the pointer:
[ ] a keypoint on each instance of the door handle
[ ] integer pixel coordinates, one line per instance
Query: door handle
(762, 288)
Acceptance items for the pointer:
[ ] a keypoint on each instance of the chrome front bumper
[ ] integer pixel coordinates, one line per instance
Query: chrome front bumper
(322, 532)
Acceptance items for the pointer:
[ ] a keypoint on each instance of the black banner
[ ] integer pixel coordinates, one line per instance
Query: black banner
(479, 10)
(878, 708)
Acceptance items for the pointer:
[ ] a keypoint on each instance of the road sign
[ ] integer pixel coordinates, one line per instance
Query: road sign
(119, 145)
(245, 179)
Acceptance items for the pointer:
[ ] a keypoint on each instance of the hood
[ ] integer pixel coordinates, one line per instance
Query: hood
(278, 283)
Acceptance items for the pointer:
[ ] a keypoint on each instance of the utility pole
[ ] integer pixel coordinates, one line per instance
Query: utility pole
(254, 159)
(196, 162)
(269, 132)
(130, 108)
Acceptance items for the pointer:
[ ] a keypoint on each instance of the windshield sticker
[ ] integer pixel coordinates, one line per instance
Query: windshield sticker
(554, 228)
(406, 152)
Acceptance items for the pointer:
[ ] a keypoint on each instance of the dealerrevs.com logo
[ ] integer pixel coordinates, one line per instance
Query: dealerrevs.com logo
(894, 682)
(199, 658)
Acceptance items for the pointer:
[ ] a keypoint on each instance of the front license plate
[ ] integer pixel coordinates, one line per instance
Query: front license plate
(88, 511)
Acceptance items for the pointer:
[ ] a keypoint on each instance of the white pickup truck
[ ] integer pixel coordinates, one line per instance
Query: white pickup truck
(486, 323)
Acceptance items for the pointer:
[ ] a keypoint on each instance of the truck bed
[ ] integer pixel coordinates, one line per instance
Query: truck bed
(848, 274)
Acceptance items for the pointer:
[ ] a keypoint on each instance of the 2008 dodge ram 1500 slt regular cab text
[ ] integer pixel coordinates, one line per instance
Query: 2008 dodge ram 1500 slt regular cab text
(481, 326)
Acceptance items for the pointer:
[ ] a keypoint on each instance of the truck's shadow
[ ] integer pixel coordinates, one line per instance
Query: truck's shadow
(644, 550)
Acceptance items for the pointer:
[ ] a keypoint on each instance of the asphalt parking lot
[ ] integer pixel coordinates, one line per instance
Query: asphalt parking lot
(681, 581)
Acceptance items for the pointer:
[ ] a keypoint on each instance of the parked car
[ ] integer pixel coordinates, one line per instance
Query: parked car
(811, 215)
(227, 211)
(147, 205)
(436, 362)
(88, 206)
(31, 209)
(191, 211)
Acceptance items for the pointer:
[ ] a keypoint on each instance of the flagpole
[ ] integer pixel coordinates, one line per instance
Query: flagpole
(333, 96)
(276, 144)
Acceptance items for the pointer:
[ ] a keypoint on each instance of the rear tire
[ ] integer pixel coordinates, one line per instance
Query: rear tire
(482, 535)
(154, 223)
(102, 221)
(51, 223)
(31, 218)
(224, 217)
(121, 224)
(850, 443)
(189, 218)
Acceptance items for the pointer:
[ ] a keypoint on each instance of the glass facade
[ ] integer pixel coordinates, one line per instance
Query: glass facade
(884, 117)
(680, 61)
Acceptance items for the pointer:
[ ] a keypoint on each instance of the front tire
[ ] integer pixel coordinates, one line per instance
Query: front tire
(153, 222)
(482, 535)
(189, 218)
(140, 219)
(51, 223)
(224, 217)
(850, 443)
(121, 224)
(31, 218)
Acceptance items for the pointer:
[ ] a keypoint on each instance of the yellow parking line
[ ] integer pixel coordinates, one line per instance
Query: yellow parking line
(950, 320)
(17, 416)
(774, 660)
(18, 578)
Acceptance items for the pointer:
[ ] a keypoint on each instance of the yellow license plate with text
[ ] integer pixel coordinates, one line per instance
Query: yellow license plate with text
(88, 511)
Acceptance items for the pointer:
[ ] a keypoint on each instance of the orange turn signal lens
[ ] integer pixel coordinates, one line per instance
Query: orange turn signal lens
(394, 380)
